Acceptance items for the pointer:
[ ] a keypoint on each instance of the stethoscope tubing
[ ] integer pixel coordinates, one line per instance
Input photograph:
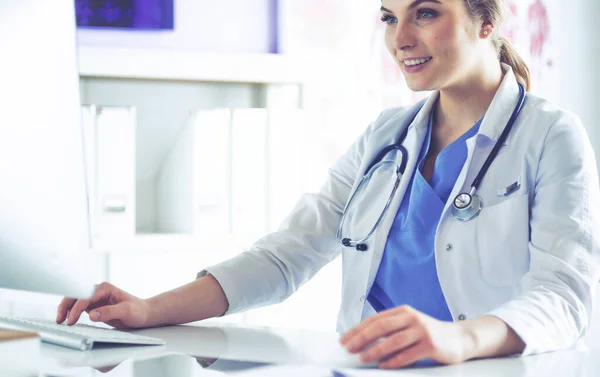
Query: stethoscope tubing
(500, 142)
(467, 206)
(399, 173)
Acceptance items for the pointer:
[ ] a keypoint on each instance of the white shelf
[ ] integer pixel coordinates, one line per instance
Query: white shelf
(164, 64)
(159, 243)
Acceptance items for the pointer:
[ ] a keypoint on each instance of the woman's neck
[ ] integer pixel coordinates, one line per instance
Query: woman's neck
(460, 107)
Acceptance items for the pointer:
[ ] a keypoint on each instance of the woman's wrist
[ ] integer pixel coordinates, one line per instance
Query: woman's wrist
(469, 340)
(154, 315)
(489, 336)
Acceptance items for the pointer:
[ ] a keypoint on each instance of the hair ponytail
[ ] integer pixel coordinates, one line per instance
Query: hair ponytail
(494, 11)
(510, 56)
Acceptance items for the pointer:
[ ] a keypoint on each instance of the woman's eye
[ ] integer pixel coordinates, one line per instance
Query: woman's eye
(389, 19)
(424, 14)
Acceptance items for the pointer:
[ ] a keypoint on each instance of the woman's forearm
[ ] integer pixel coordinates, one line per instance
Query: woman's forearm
(201, 299)
(489, 336)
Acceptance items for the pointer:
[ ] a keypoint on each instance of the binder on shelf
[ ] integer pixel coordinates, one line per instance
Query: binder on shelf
(212, 157)
(109, 144)
(192, 186)
(249, 178)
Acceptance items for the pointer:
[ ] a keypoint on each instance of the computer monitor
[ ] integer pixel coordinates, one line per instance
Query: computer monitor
(44, 224)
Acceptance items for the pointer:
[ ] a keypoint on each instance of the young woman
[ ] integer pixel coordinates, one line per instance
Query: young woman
(467, 223)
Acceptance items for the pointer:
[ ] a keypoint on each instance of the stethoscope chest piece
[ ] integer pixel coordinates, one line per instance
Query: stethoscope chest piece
(466, 206)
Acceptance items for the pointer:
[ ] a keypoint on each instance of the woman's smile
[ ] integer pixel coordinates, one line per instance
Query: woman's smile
(413, 65)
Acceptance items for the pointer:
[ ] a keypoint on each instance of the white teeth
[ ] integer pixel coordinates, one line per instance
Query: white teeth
(412, 62)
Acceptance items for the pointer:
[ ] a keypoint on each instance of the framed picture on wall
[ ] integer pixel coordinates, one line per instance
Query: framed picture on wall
(125, 14)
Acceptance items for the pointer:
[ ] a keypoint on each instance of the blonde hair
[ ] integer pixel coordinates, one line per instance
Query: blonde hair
(494, 11)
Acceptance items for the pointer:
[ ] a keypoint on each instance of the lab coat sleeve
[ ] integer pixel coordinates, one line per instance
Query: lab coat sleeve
(554, 309)
(279, 263)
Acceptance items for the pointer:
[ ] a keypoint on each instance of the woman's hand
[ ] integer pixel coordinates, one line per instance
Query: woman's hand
(110, 305)
(406, 336)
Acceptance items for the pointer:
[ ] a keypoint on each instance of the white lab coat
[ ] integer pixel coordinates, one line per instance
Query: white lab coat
(529, 258)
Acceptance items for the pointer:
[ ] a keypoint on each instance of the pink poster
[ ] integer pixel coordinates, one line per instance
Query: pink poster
(529, 29)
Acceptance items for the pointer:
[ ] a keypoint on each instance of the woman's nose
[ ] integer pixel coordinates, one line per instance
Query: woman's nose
(403, 37)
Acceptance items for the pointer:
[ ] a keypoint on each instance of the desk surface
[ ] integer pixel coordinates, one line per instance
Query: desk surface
(236, 349)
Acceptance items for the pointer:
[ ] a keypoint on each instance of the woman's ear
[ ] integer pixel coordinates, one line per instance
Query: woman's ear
(487, 29)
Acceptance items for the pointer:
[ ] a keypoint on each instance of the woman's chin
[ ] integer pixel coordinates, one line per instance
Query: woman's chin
(418, 87)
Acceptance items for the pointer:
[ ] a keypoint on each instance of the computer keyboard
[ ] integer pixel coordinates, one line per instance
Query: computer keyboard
(79, 336)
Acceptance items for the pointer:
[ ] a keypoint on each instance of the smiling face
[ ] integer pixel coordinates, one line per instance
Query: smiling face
(435, 42)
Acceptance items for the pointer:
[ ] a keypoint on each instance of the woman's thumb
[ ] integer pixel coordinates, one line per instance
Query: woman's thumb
(108, 313)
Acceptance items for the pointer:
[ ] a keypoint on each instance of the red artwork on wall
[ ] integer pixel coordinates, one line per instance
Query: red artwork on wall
(539, 27)
(511, 24)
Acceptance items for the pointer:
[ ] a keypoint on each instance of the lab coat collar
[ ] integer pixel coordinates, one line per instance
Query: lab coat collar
(497, 115)
(422, 118)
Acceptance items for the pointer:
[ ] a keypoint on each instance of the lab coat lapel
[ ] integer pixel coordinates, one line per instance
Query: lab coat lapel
(414, 140)
(501, 108)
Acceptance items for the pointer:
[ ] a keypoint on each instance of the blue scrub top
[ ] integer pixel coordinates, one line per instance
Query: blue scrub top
(407, 274)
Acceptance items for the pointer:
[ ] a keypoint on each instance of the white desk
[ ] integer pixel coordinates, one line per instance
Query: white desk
(239, 348)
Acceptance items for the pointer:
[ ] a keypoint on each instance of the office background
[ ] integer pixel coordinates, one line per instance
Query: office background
(199, 139)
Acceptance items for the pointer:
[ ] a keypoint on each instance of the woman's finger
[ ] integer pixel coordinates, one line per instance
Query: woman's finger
(374, 330)
(76, 311)
(63, 309)
(377, 317)
(103, 291)
(361, 326)
(110, 313)
(407, 356)
(393, 344)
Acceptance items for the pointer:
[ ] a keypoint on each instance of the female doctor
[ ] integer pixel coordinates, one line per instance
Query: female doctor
(467, 224)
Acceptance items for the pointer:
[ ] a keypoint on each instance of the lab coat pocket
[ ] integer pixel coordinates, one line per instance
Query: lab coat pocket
(503, 241)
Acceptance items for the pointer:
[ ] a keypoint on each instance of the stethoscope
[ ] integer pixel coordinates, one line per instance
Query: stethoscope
(465, 206)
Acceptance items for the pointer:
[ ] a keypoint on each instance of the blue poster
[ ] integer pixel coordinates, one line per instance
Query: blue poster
(125, 14)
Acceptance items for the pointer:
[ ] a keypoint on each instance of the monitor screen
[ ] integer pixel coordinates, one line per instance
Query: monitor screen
(125, 14)
(44, 217)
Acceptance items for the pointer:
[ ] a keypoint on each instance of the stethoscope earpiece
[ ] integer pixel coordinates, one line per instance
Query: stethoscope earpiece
(359, 246)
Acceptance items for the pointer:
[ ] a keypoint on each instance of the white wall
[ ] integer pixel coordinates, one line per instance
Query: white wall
(578, 53)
